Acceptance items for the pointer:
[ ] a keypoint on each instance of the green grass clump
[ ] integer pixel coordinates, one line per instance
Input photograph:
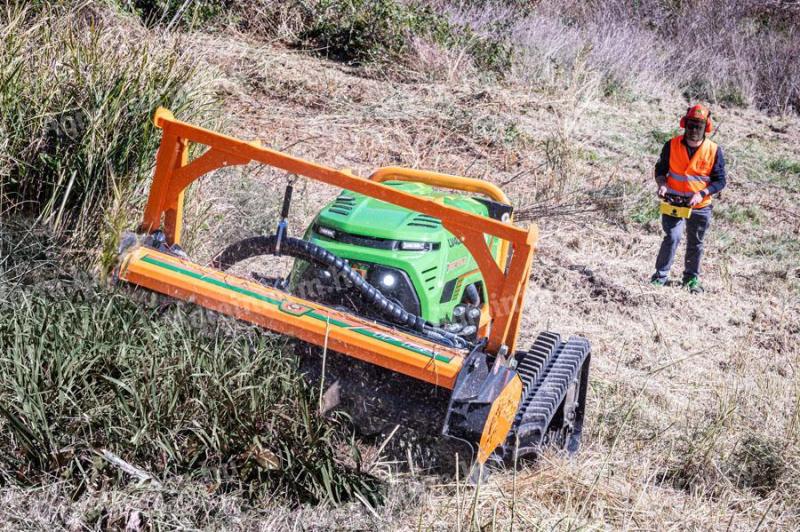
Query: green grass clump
(88, 370)
(738, 214)
(758, 463)
(778, 247)
(784, 165)
(644, 211)
(76, 101)
(659, 137)
(173, 13)
(786, 173)
(782, 171)
(627, 203)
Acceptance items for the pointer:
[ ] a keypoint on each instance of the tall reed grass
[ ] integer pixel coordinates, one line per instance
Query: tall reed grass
(85, 372)
(76, 97)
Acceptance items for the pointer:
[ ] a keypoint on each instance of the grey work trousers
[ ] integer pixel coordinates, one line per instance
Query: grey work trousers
(696, 227)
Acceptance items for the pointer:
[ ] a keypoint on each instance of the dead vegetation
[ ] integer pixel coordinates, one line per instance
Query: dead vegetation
(694, 402)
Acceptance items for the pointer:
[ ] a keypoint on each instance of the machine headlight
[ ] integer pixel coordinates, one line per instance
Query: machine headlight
(395, 284)
(388, 280)
(326, 231)
(415, 246)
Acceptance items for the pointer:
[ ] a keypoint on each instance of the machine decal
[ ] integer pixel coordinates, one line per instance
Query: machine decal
(283, 305)
(293, 308)
(456, 264)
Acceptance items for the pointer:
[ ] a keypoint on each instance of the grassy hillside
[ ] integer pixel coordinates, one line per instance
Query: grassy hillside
(694, 401)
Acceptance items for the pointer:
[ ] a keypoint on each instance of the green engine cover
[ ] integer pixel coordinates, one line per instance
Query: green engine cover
(369, 232)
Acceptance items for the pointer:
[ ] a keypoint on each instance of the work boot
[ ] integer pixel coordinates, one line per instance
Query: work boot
(693, 285)
(655, 280)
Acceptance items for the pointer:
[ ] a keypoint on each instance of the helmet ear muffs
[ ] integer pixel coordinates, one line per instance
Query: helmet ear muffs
(683, 118)
(709, 125)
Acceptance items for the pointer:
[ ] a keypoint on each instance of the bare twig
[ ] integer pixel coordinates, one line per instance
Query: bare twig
(127, 467)
(383, 445)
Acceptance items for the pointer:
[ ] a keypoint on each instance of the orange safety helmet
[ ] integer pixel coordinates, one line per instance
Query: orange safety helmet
(697, 112)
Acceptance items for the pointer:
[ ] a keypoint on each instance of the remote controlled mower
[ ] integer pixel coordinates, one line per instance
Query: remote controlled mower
(418, 273)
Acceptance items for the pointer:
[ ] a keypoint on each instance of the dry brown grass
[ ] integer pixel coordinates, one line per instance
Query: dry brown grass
(680, 383)
(690, 396)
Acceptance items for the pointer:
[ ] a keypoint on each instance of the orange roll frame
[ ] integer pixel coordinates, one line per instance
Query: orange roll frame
(506, 282)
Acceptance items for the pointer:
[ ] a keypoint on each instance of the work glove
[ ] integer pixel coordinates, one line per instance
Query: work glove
(662, 191)
(696, 198)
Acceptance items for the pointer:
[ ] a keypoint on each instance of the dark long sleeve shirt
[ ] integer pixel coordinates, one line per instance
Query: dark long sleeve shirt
(717, 178)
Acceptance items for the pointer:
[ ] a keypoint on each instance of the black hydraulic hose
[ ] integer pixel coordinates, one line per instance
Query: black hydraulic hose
(303, 249)
(243, 250)
(473, 297)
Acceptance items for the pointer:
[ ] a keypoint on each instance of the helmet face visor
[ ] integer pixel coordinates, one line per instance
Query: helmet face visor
(695, 130)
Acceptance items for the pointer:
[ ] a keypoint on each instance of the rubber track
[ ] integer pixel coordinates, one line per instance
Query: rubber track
(547, 370)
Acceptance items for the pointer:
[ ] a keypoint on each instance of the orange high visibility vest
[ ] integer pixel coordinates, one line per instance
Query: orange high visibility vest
(687, 176)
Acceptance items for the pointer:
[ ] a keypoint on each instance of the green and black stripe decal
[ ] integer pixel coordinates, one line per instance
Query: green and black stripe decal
(312, 314)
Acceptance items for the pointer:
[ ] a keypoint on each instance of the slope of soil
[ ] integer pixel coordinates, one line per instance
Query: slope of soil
(693, 413)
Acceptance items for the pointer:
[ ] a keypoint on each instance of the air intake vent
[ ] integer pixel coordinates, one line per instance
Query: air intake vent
(423, 220)
(343, 205)
(430, 277)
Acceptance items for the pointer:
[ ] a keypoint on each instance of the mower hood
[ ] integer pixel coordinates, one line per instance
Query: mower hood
(362, 215)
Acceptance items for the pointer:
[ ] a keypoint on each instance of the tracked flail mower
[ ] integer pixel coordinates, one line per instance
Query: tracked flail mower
(419, 273)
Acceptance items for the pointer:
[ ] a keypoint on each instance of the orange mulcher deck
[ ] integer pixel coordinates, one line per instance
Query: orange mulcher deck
(278, 311)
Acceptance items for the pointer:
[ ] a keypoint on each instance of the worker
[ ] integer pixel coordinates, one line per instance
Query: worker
(691, 167)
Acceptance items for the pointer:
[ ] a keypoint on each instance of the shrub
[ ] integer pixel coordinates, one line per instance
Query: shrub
(359, 31)
(642, 47)
(551, 42)
(748, 49)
